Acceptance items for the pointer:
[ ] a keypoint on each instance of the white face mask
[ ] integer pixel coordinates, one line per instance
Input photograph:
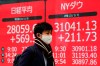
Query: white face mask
(47, 38)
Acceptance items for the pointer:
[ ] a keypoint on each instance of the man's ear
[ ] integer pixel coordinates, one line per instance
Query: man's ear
(38, 35)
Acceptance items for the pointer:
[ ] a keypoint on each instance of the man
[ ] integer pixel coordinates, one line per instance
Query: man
(41, 55)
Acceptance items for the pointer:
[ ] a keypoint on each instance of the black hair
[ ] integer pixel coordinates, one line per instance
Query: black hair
(40, 27)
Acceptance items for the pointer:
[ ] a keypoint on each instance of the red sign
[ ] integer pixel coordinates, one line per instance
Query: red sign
(75, 30)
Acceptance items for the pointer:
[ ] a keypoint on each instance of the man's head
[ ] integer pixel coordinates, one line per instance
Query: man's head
(43, 31)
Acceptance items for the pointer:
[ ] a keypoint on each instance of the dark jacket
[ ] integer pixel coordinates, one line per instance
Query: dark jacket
(32, 57)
